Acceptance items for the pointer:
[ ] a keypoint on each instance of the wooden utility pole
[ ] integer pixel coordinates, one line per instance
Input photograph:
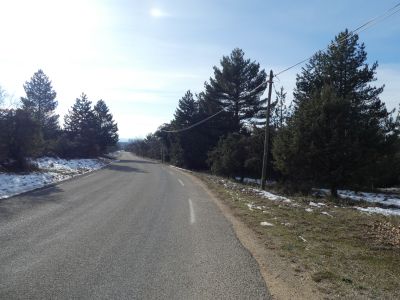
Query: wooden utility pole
(266, 137)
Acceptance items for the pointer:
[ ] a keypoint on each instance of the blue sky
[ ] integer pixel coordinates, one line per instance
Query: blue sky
(141, 56)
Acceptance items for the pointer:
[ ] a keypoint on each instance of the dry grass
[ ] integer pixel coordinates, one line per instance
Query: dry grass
(349, 254)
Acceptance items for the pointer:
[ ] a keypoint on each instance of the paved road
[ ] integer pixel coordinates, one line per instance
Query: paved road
(134, 230)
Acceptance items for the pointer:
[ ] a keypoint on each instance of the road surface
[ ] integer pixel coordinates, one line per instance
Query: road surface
(134, 230)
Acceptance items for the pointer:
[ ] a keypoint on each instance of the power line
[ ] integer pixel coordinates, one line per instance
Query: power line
(380, 18)
(195, 124)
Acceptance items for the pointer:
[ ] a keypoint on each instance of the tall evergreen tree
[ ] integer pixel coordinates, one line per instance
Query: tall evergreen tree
(107, 129)
(41, 104)
(186, 148)
(229, 156)
(81, 127)
(280, 111)
(339, 127)
(20, 137)
(237, 87)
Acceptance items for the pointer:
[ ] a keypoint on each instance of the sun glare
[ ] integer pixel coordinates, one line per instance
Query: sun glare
(156, 13)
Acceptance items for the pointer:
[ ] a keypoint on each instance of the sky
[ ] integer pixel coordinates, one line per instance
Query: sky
(141, 57)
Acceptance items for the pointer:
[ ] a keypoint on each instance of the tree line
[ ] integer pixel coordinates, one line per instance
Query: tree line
(336, 132)
(33, 128)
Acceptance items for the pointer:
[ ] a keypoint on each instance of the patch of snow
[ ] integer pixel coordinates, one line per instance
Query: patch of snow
(75, 166)
(182, 169)
(52, 170)
(319, 204)
(249, 180)
(254, 181)
(384, 199)
(309, 210)
(251, 206)
(378, 210)
(327, 214)
(271, 196)
(266, 224)
(303, 239)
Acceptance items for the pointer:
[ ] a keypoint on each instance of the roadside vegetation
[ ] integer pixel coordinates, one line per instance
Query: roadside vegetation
(346, 253)
(30, 127)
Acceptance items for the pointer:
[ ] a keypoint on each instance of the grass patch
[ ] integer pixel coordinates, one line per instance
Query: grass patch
(323, 276)
(348, 254)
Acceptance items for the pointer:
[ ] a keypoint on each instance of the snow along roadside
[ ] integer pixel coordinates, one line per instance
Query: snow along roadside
(53, 170)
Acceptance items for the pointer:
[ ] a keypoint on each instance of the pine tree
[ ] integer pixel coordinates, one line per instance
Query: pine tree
(41, 104)
(81, 127)
(236, 87)
(187, 149)
(107, 129)
(339, 127)
(229, 156)
(20, 138)
(280, 112)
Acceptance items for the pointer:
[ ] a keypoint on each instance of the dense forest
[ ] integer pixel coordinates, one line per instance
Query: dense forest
(32, 128)
(336, 132)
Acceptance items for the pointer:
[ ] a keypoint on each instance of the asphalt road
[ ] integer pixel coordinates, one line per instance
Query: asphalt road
(134, 230)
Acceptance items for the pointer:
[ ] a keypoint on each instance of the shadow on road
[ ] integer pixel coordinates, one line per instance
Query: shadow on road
(137, 161)
(120, 168)
(13, 205)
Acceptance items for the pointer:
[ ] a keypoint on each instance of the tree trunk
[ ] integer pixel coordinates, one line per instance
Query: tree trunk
(334, 192)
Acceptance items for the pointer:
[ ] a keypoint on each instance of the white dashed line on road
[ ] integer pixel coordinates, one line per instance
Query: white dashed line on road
(192, 216)
(181, 182)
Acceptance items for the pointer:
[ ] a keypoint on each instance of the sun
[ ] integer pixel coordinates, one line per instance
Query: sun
(156, 13)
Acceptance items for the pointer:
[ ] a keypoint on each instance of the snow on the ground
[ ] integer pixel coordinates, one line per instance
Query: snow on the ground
(326, 214)
(385, 199)
(52, 170)
(271, 196)
(379, 210)
(266, 224)
(254, 180)
(182, 169)
(74, 166)
(381, 198)
(252, 206)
